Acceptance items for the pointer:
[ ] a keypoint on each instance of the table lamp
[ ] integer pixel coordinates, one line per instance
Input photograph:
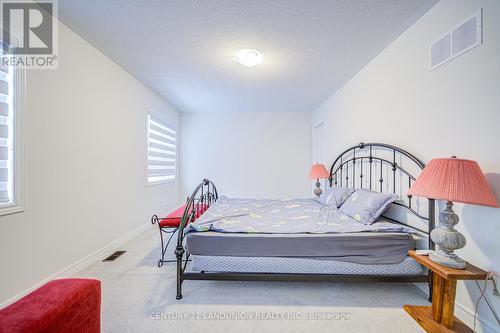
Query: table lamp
(318, 171)
(453, 180)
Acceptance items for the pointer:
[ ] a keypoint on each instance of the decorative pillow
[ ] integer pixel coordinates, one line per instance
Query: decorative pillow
(366, 206)
(336, 196)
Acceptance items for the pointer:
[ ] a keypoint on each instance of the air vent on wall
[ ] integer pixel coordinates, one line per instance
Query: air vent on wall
(463, 38)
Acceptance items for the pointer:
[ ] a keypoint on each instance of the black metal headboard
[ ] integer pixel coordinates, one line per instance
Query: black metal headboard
(361, 167)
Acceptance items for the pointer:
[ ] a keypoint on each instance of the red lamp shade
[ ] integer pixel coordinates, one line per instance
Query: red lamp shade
(456, 180)
(318, 171)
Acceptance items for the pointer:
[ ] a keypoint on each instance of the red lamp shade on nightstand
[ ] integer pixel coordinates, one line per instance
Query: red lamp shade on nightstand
(456, 180)
(318, 171)
(452, 180)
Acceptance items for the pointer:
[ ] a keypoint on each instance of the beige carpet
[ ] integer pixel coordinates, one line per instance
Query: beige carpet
(140, 297)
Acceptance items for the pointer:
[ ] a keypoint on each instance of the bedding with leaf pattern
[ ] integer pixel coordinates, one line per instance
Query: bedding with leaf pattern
(286, 216)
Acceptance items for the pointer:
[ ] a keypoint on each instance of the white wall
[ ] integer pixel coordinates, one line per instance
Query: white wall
(247, 154)
(453, 110)
(85, 165)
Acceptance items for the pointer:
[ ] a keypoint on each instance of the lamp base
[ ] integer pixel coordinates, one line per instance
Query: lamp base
(447, 259)
(447, 240)
(317, 190)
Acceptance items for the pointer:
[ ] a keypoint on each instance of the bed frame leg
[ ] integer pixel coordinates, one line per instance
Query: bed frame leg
(155, 219)
(162, 259)
(430, 286)
(179, 253)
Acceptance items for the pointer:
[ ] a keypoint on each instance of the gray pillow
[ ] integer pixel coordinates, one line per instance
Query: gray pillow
(335, 196)
(366, 206)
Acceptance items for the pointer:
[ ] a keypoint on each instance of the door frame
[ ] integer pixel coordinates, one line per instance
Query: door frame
(314, 127)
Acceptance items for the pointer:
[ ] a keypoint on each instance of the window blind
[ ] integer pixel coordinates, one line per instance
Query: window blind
(161, 149)
(6, 135)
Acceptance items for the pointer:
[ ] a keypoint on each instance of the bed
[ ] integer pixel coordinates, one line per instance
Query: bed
(306, 240)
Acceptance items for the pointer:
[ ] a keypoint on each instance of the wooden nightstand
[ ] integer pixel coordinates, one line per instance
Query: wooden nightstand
(439, 317)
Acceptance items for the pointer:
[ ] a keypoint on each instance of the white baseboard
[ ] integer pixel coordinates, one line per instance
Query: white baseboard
(467, 316)
(82, 263)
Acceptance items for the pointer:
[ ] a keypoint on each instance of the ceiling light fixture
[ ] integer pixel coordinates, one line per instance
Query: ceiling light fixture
(248, 57)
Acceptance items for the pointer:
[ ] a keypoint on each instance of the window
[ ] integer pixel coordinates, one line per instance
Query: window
(161, 150)
(11, 139)
(6, 136)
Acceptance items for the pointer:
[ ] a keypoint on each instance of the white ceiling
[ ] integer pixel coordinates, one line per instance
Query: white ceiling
(183, 49)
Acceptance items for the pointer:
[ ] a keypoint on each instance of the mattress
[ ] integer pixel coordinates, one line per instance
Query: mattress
(301, 266)
(360, 248)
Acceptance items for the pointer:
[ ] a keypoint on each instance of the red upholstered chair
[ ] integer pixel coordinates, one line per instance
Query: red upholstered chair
(170, 224)
(59, 306)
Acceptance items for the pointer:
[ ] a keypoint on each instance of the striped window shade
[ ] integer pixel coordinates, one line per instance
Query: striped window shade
(161, 149)
(6, 135)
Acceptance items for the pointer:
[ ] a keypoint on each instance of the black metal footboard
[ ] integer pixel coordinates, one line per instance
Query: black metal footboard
(199, 201)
